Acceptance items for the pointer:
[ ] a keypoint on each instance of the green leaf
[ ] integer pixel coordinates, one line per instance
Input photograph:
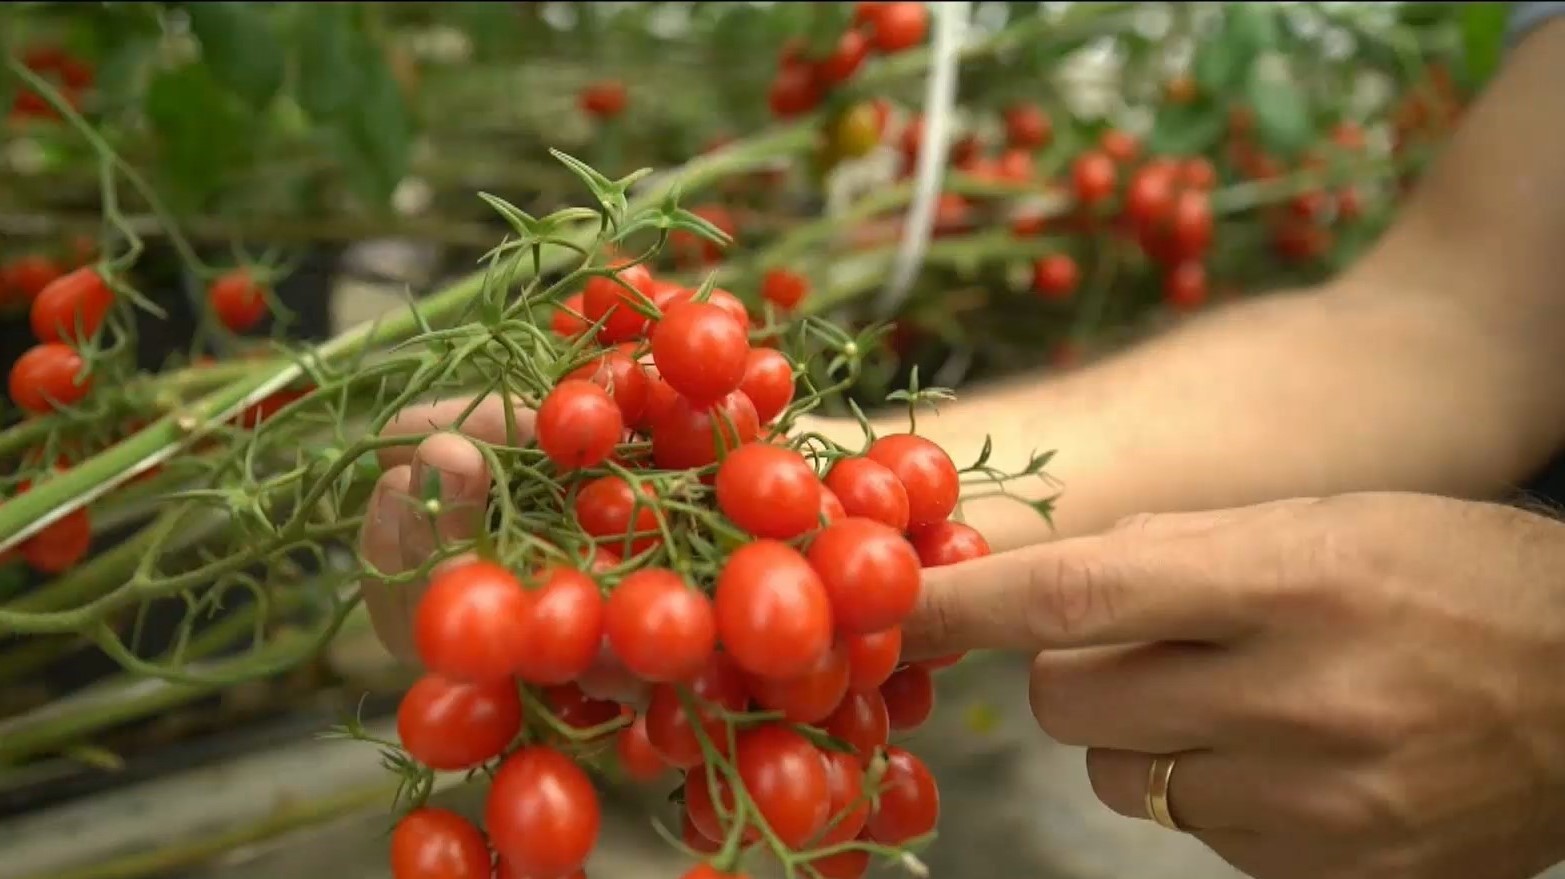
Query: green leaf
(240, 46)
(1220, 64)
(1188, 129)
(376, 130)
(1282, 115)
(1253, 25)
(203, 133)
(1483, 37)
(324, 42)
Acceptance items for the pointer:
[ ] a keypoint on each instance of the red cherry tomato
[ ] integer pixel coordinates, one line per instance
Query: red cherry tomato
(909, 800)
(1119, 146)
(662, 629)
(692, 249)
(604, 99)
(689, 435)
(910, 697)
(237, 300)
(831, 508)
(700, 350)
(1191, 224)
(794, 91)
(568, 320)
(872, 658)
(852, 864)
(1184, 287)
(60, 546)
(576, 709)
(849, 808)
(699, 806)
(565, 628)
(1055, 277)
(606, 508)
(1015, 166)
(870, 572)
(899, 26)
(46, 377)
(28, 276)
(605, 296)
(636, 755)
(773, 613)
(1027, 127)
(578, 425)
(861, 721)
(450, 725)
(431, 843)
(947, 543)
(72, 307)
(787, 779)
(1094, 176)
(542, 813)
(869, 489)
(808, 698)
(769, 491)
(784, 289)
(695, 839)
(768, 382)
(925, 471)
(1198, 173)
(707, 871)
(719, 685)
(845, 59)
(471, 622)
(1149, 198)
(623, 378)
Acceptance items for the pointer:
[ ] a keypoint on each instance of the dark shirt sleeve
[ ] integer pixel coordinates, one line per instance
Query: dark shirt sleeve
(1525, 17)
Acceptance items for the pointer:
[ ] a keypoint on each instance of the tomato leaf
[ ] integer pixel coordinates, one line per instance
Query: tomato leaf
(1253, 26)
(1282, 115)
(242, 49)
(376, 130)
(203, 133)
(1184, 130)
(324, 42)
(1483, 37)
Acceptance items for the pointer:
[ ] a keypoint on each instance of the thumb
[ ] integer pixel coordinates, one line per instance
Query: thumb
(1127, 587)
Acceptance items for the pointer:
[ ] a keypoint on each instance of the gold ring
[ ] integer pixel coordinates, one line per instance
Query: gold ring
(1158, 778)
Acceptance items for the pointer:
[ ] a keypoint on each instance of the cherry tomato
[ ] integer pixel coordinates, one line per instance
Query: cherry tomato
(1348, 135)
(768, 383)
(925, 471)
(578, 424)
(542, 813)
(872, 657)
(831, 508)
(637, 757)
(849, 809)
(60, 546)
(699, 806)
(1029, 224)
(689, 435)
(1192, 223)
(72, 307)
(1149, 198)
(707, 871)
(29, 275)
(1184, 287)
(1015, 166)
(604, 99)
(861, 721)
(947, 543)
(449, 725)
(1198, 173)
(692, 836)
(909, 800)
(1181, 90)
(700, 350)
(870, 489)
(1093, 174)
(855, 132)
(851, 864)
(845, 59)
(660, 398)
(565, 628)
(866, 13)
(784, 288)
(910, 697)
(769, 491)
(810, 697)
(773, 613)
(692, 249)
(504, 870)
(1119, 146)
(1027, 127)
(46, 377)
(574, 708)
(605, 296)
(568, 320)
(660, 627)
(430, 843)
(624, 379)
(786, 778)
(237, 300)
(793, 92)
(871, 574)
(606, 508)
(471, 622)
(719, 685)
(899, 26)
(1350, 203)
(1055, 277)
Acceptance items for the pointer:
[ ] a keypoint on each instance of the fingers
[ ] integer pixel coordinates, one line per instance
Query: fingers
(380, 542)
(463, 483)
(1207, 790)
(1156, 699)
(1125, 587)
(486, 422)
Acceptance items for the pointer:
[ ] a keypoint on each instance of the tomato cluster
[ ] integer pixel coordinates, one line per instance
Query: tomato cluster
(803, 80)
(65, 312)
(72, 76)
(769, 685)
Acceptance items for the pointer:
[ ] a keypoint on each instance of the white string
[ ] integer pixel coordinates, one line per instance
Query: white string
(939, 100)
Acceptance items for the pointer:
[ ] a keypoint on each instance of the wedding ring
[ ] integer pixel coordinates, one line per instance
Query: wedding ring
(1158, 778)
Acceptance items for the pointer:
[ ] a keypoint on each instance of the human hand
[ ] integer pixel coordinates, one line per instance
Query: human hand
(1359, 687)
